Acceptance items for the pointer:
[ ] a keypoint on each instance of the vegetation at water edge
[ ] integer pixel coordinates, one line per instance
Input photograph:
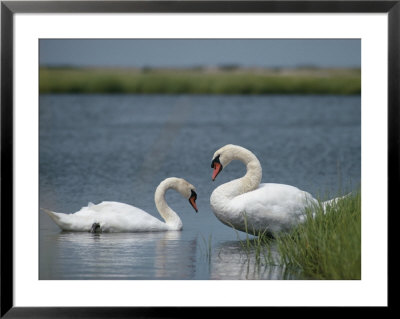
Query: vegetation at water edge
(199, 81)
(326, 246)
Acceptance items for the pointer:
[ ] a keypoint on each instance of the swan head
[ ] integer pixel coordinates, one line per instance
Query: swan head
(186, 189)
(223, 157)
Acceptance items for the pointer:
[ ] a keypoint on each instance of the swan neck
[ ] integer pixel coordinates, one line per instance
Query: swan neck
(251, 180)
(167, 213)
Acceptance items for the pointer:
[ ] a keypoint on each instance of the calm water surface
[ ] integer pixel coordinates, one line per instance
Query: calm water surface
(120, 147)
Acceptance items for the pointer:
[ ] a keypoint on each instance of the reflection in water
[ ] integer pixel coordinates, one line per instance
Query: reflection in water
(231, 261)
(156, 255)
(175, 257)
(121, 256)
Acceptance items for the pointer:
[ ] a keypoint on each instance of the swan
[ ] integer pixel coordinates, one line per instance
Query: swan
(246, 205)
(119, 217)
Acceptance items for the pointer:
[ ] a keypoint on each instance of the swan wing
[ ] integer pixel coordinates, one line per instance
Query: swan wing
(278, 206)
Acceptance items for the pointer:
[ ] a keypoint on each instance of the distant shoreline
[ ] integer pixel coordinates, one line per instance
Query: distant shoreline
(198, 80)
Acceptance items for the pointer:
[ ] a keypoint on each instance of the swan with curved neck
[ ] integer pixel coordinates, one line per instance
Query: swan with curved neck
(119, 217)
(249, 206)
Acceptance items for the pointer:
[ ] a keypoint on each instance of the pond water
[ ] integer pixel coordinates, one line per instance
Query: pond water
(120, 147)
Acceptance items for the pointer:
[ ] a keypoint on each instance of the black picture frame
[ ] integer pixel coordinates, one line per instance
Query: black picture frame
(9, 8)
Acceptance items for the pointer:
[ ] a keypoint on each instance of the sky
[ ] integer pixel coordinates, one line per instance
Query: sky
(200, 52)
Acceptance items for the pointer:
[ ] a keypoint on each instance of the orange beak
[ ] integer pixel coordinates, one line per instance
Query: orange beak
(217, 169)
(192, 201)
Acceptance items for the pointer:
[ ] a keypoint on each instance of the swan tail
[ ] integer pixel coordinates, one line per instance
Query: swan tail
(333, 202)
(57, 218)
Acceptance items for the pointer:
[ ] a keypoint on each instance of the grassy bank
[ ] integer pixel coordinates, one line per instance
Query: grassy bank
(327, 246)
(200, 81)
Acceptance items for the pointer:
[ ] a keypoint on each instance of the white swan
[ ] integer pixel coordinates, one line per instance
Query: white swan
(120, 217)
(247, 205)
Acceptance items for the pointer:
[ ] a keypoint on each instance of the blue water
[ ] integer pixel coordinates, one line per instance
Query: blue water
(120, 147)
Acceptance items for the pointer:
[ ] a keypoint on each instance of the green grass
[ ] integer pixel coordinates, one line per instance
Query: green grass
(327, 246)
(200, 81)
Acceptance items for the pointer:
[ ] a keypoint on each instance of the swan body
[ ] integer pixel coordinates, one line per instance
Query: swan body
(249, 206)
(111, 216)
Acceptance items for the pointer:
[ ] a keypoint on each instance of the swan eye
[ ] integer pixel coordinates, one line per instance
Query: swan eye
(193, 194)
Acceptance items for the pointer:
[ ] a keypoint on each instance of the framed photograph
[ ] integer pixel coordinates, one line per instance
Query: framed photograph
(113, 111)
